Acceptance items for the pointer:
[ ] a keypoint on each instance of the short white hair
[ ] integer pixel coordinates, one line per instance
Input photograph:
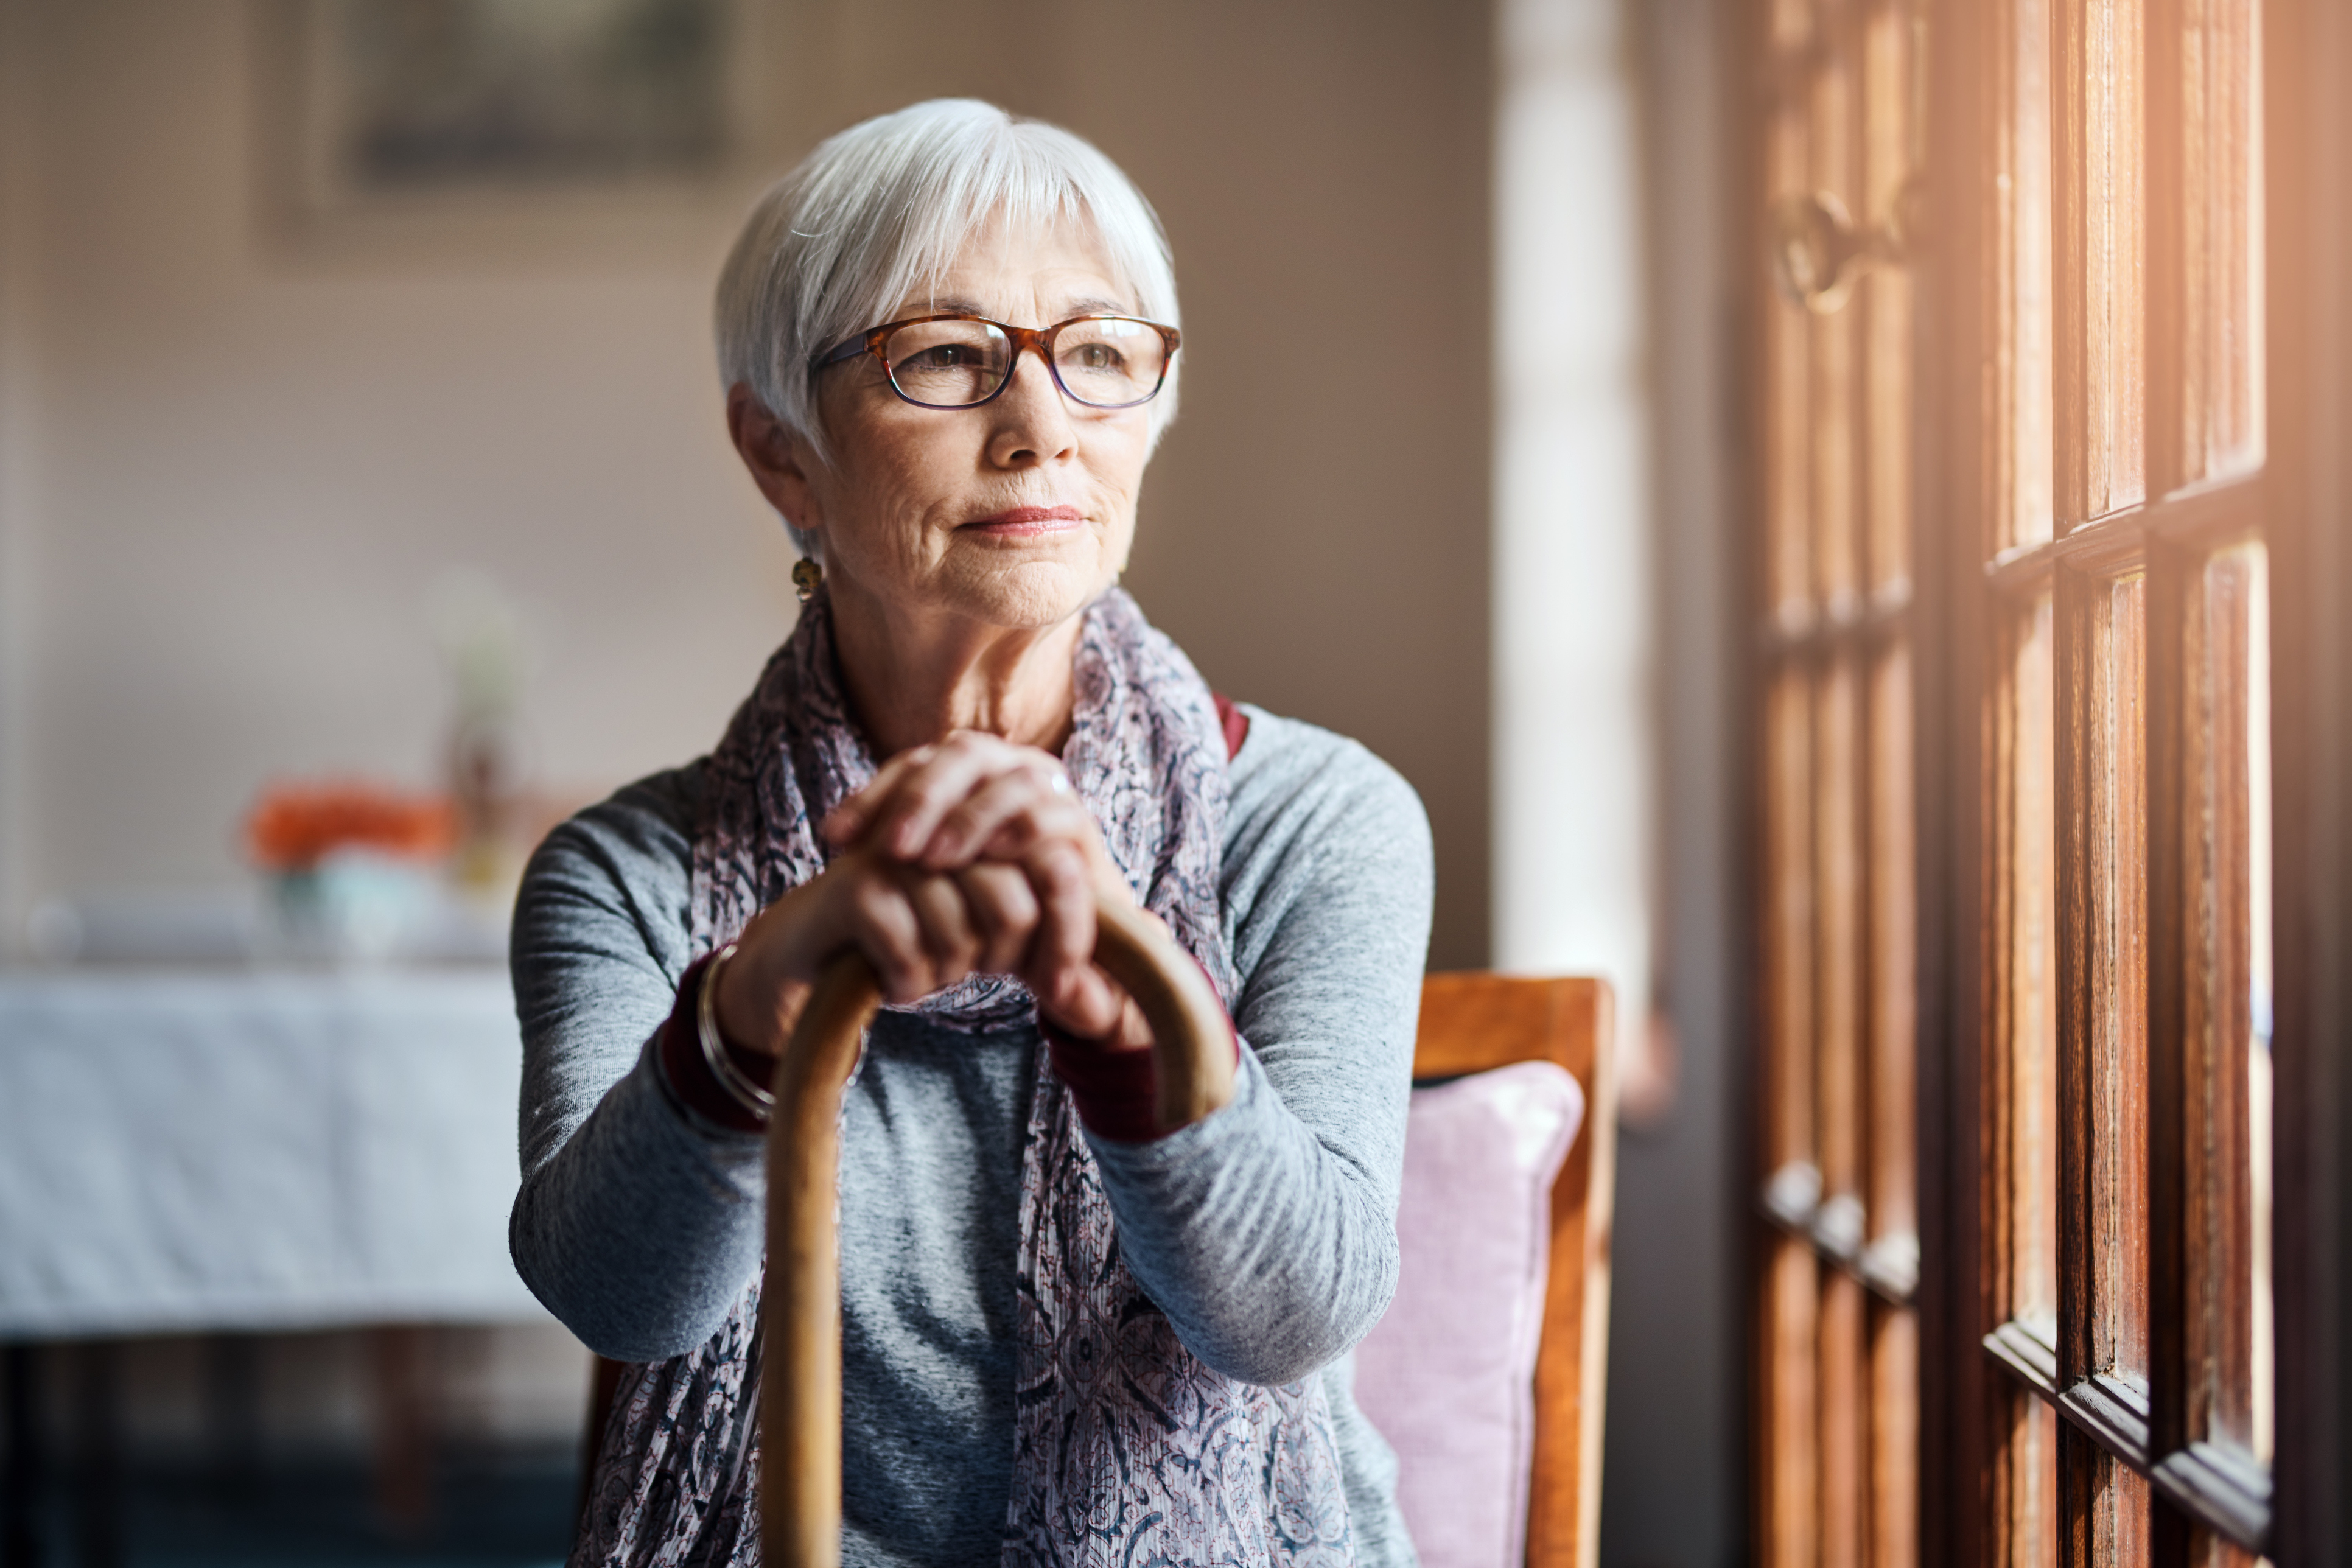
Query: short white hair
(884, 208)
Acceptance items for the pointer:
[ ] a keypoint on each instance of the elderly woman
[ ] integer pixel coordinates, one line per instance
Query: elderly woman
(1069, 1336)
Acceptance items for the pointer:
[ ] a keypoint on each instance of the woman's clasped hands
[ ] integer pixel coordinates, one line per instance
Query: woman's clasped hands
(971, 855)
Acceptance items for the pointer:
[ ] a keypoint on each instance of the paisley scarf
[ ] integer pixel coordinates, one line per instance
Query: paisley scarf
(1128, 1450)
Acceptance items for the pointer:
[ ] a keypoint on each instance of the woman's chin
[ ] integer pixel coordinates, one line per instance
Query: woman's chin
(1027, 593)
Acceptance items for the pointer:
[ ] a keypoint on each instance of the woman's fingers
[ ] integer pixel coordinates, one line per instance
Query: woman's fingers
(927, 794)
(1006, 867)
(951, 939)
(939, 805)
(878, 918)
(1090, 1005)
(1023, 811)
(1004, 911)
(848, 821)
(924, 931)
(911, 925)
(1006, 816)
(897, 811)
(1064, 944)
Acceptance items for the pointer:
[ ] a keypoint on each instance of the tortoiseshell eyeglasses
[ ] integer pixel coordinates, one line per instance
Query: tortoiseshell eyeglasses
(958, 360)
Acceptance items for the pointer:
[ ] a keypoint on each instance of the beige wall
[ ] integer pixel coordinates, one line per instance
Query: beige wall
(247, 462)
(234, 465)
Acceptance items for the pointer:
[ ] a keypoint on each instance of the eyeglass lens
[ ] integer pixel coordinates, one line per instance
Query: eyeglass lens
(1109, 361)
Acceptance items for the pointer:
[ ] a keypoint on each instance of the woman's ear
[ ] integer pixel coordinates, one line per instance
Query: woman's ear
(778, 462)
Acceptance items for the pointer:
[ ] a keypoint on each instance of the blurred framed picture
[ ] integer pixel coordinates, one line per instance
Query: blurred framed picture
(377, 109)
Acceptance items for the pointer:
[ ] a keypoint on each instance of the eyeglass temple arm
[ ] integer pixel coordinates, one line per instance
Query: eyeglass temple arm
(839, 352)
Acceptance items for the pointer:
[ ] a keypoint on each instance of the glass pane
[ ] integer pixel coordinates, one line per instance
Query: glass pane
(2103, 948)
(1788, 1537)
(1837, 1007)
(2211, 259)
(1832, 146)
(2101, 318)
(1789, 880)
(1792, 21)
(1891, 155)
(2022, 439)
(1893, 1437)
(2104, 1519)
(2023, 1096)
(2262, 1351)
(1843, 1427)
(1788, 412)
(2227, 1032)
(2022, 1488)
(1894, 963)
(2206, 1550)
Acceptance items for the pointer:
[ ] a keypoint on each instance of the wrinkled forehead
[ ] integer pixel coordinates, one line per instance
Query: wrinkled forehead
(1026, 272)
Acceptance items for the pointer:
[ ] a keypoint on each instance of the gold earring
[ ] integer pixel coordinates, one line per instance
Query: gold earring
(806, 575)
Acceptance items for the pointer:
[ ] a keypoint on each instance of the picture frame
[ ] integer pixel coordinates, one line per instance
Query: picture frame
(390, 128)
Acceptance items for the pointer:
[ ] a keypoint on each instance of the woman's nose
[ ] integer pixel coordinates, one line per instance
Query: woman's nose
(1033, 421)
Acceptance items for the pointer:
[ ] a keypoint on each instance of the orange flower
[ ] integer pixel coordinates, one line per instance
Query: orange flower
(292, 825)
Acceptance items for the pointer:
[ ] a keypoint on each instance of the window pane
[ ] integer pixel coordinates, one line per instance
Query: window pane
(1789, 873)
(1792, 1429)
(2023, 1094)
(1893, 1437)
(2262, 1405)
(1788, 347)
(2103, 978)
(2101, 318)
(2023, 439)
(1893, 1181)
(1845, 1427)
(2022, 1488)
(2227, 1024)
(2206, 136)
(1891, 155)
(1837, 1007)
(2206, 1550)
(1832, 150)
(2103, 1520)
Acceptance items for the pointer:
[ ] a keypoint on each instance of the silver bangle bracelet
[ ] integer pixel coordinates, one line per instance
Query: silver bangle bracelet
(740, 1086)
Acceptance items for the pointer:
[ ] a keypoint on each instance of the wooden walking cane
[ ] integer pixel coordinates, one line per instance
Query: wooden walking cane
(800, 1306)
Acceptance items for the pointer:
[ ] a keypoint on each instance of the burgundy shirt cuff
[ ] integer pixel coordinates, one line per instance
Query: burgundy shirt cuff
(691, 1082)
(1232, 721)
(1114, 1089)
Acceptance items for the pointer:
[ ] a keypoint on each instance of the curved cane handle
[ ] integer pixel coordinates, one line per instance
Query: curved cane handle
(800, 1305)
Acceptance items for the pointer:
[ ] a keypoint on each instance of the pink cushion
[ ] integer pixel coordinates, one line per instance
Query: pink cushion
(1449, 1374)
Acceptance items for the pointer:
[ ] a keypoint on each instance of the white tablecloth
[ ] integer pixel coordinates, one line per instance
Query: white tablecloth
(256, 1149)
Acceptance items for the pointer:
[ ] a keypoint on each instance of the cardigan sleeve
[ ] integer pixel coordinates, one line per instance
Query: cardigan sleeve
(1267, 1231)
(638, 1223)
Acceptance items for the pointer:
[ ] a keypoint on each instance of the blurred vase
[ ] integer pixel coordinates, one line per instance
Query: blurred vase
(483, 644)
(352, 904)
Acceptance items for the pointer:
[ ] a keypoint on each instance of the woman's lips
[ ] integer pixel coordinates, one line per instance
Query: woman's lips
(1023, 522)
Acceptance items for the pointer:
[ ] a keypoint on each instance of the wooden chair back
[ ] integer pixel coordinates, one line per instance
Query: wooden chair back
(1475, 1022)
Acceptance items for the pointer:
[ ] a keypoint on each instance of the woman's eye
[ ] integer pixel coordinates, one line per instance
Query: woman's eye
(1096, 356)
(942, 356)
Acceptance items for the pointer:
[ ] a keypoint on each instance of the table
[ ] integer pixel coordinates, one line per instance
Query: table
(254, 1150)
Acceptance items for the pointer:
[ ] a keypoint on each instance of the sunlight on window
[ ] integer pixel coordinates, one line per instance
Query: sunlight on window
(2264, 1410)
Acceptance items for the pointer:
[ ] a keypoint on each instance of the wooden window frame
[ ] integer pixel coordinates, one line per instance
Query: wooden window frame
(1836, 1271)
(2160, 539)
(1978, 1359)
(2119, 1363)
(1977, 1351)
